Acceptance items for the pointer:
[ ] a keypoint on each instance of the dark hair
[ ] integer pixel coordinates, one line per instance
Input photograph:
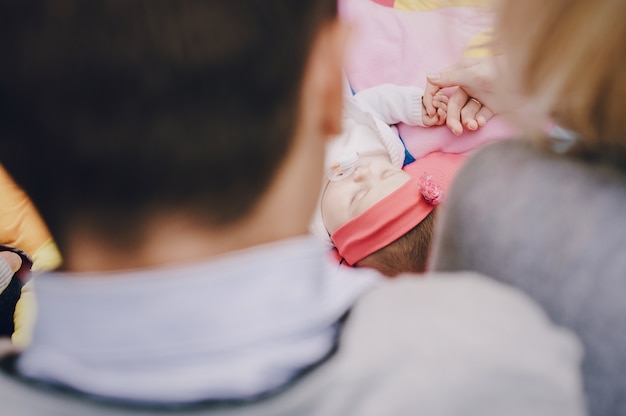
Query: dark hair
(407, 254)
(110, 109)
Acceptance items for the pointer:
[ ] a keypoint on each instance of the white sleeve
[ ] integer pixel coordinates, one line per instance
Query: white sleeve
(393, 103)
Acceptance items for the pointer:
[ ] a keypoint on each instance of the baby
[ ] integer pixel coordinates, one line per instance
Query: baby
(377, 205)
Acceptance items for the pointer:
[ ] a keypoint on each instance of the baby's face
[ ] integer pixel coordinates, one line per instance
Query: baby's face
(372, 180)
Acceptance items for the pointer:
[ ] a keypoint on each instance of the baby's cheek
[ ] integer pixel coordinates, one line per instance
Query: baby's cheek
(332, 211)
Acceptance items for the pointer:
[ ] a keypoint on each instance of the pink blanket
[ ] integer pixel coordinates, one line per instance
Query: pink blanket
(401, 47)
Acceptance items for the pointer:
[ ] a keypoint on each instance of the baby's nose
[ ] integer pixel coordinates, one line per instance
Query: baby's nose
(360, 173)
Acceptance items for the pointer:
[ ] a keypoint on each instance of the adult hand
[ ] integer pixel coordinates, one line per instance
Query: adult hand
(474, 102)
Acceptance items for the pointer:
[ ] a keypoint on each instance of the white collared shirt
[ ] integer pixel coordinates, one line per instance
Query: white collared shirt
(231, 327)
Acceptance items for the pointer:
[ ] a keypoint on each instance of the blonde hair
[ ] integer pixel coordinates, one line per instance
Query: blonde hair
(569, 56)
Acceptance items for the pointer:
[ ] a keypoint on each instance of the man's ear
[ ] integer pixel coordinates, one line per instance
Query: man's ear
(322, 88)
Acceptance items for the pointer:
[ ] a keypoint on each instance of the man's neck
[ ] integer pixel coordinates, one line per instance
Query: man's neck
(172, 241)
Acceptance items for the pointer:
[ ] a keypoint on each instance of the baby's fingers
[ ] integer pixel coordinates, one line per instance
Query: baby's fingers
(428, 100)
(442, 106)
(440, 99)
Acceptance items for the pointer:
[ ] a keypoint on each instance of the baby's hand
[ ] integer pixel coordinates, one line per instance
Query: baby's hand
(440, 104)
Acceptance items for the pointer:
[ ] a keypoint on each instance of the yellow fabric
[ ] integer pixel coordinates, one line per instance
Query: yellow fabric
(45, 258)
(479, 45)
(20, 223)
(21, 226)
(436, 4)
(24, 316)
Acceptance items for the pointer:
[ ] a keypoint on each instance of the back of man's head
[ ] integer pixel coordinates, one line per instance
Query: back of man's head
(111, 109)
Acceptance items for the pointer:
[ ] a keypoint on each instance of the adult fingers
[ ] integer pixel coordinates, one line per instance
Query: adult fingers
(469, 112)
(455, 104)
(457, 74)
(483, 115)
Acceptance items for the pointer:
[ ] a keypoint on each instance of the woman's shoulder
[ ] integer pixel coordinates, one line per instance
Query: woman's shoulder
(502, 154)
(522, 162)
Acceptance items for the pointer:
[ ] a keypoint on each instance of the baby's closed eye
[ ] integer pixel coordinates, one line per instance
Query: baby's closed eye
(358, 195)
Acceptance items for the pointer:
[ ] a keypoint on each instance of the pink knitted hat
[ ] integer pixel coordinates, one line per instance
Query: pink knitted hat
(398, 213)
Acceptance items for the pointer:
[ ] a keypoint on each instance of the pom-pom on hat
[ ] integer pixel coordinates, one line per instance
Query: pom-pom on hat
(399, 212)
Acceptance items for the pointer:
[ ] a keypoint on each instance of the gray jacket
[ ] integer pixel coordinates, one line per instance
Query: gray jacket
(554, 227)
